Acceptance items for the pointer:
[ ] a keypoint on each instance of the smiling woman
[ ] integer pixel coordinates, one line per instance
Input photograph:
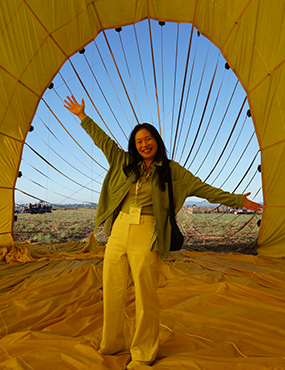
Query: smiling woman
(139, 228)
(146, 146)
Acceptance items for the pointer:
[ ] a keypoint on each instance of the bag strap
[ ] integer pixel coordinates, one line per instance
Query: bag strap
(170, 194)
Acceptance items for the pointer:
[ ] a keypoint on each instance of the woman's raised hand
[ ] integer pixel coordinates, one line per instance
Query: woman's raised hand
(74, 107)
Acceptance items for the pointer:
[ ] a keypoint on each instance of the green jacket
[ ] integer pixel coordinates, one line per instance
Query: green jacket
(116, 185)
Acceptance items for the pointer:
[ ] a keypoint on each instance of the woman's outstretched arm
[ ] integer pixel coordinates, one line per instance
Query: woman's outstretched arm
(108, 146)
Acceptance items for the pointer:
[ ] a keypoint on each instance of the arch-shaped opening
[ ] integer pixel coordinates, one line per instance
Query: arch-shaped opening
(206, 127)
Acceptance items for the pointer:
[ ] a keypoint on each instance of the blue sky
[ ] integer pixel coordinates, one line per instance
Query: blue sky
(54, 144)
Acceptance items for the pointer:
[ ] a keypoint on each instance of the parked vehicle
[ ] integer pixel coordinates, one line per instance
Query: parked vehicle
(241, 210)
(17, 209)
(37, 208)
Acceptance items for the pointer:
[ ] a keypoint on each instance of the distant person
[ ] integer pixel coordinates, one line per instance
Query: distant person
(134, 205)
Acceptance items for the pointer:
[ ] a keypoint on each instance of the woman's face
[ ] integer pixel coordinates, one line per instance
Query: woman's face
(146, 145)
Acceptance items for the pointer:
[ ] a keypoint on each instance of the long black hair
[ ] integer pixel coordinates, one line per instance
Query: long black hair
(135, 157)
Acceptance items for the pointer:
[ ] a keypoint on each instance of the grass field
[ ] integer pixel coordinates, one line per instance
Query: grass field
(203, 231)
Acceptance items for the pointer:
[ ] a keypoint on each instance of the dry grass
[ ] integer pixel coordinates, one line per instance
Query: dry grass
(215, 232)
(56, 227)
(220, 232)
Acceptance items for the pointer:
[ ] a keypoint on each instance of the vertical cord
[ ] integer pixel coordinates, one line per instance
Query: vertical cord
(246, 172)
(195, 106)
(142, 70)
(220, 126)
(238, 161)
(114, 60)
(162, 81)
(209, 121)
(104, 96)
(65, 129)
(184, 82)
(234, 126)
(231, 152)
(174, 83)
(129, 73)
(187, 98)
(110, 79)
(153, 67)
(204, 110)
(92, 102)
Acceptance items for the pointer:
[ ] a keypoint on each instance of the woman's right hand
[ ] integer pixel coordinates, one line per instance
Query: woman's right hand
(74, 107)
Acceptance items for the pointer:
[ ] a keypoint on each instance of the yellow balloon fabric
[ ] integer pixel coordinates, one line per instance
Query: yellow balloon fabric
(37, 37)
(217, 311)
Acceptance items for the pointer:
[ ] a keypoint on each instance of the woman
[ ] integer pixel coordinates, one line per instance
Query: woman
(134, 206)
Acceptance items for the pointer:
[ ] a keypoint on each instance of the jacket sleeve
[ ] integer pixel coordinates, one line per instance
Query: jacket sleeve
(191, 185)
(108, 146)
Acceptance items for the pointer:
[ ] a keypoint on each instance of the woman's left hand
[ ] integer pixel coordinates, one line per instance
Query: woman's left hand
(253, 206)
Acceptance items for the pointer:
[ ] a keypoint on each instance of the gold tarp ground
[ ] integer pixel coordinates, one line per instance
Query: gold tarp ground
(217, 311)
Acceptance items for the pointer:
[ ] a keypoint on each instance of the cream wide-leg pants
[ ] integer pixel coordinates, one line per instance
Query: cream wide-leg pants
(128, 248)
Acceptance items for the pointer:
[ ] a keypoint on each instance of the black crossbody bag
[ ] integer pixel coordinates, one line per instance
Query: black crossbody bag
(177, 239)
